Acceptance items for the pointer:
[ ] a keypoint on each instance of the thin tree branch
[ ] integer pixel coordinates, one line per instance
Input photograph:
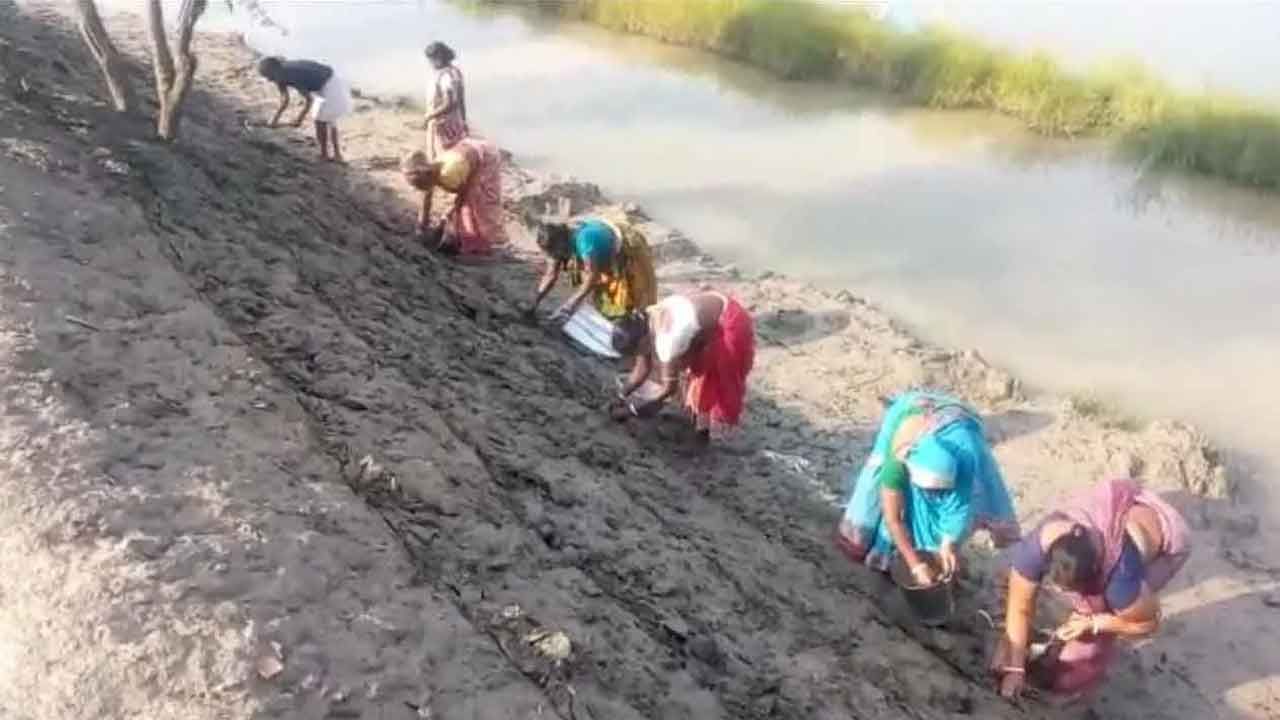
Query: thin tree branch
(191, 12)
(161, 58)
(104, 52)
(173, 100)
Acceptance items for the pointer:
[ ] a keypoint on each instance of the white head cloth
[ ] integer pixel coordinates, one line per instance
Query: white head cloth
(682, 328)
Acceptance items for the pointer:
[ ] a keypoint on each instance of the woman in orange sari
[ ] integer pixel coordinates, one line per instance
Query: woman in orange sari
(472, 172)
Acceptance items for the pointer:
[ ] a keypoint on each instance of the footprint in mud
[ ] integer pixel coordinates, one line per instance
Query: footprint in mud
(705, 649)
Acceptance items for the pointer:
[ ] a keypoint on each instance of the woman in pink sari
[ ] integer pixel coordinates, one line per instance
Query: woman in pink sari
(447, 114)
(1110, 552)
(472, 172)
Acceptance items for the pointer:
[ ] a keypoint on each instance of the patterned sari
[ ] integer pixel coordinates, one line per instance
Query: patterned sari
(1080, 665)
(476, 221)
(449, 129)
(628, 281)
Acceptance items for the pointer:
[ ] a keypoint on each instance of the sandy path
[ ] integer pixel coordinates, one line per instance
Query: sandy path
(264, 324)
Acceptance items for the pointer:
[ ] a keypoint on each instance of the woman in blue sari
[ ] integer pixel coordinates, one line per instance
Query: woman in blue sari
(929, 482)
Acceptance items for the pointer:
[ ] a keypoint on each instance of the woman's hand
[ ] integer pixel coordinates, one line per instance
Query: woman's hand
(1010, 676)
(1012, 680)
(644, 409)
(560, 316)
(950, 559)
(619, 411)
(430, 236)
(1000, 657)
(1078, 626)
(923, 573)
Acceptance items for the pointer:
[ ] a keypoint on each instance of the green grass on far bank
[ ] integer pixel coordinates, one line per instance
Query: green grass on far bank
(802, 40)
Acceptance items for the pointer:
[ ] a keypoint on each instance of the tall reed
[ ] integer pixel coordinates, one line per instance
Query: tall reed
(939, 67)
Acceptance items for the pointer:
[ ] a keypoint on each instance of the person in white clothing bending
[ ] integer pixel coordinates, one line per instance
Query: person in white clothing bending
(316, 82)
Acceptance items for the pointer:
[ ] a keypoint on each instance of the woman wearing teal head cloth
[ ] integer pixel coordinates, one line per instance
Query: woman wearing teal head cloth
(930, 481)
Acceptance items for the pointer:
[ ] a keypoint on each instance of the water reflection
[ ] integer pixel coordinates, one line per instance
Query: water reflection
(1248, 217)
(798, 99)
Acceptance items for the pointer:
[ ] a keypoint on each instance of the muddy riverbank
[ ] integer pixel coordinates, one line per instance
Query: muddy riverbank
(267, 457)
(1064, 267)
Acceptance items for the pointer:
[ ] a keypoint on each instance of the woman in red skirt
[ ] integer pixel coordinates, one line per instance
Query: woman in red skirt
(706, 337)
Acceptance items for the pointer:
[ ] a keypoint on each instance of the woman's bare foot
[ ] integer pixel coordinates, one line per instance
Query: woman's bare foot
(702, 439)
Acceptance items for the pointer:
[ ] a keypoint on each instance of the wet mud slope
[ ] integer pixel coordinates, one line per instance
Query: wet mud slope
(513, 494)
(341, 475)
(177, 540)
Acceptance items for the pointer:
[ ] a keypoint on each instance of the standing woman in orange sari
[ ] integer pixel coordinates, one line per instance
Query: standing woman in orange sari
(447, 113)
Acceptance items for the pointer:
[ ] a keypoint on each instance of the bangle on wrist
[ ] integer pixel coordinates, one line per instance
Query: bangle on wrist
(1097, 630)
(1013, 670)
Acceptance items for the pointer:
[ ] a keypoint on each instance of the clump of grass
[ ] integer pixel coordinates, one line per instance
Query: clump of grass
(1215, 137)
(803, 40)
(1091, 407)
(940, 68)
(673, 21)
(796, 41)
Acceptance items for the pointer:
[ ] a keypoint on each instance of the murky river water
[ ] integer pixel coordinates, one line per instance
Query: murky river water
(1050, 258)
(1195, 44)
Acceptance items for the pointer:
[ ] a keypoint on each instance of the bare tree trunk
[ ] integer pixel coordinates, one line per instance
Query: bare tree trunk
(161, 59)
(104, 51)
(173, 78)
